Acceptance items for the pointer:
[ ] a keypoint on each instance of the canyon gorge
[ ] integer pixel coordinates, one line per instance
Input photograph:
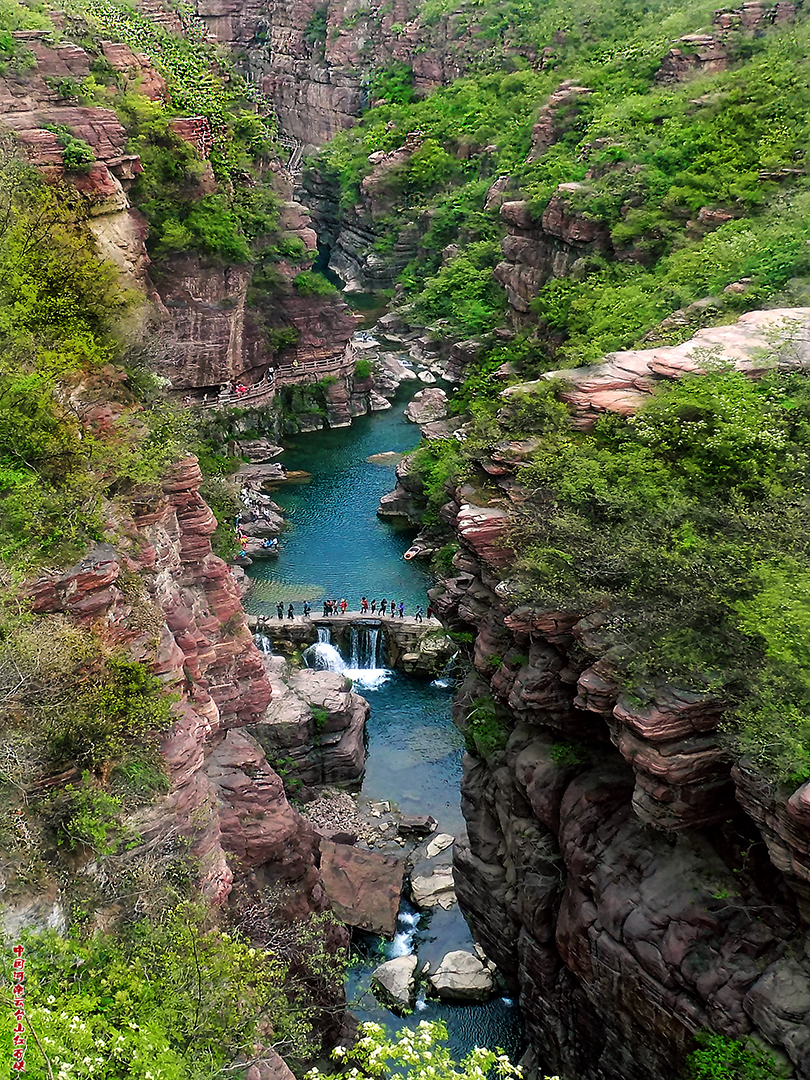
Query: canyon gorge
(566, 253)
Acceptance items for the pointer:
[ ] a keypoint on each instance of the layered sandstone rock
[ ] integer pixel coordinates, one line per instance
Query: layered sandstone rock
(201, 302)
(315, 725)
(536, 250)
(313, 59)
(622, 939)
(757, 341)
(164, 585)
(364, 887)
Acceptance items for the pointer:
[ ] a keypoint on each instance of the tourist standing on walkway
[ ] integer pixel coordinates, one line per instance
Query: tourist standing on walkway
(430, 611)
(401, 609)
(326, 607)
(343, 605)
(418, 614)
(383, 606)
(373, 607)
(290, 612)
(363, 606)
(306, 609)
(280, 610)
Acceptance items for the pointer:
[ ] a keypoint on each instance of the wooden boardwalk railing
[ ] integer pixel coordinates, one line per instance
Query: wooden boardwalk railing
(284, 375)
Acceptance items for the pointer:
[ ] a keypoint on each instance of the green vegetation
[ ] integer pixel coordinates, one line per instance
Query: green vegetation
(310, 283)
(315, 33)
(58, 310)
(420, 1054)
(687, 524)
(719, 1058)
(14, 57)
(394, 84)
(85, 817)
(486, 727)
(567, 754)
(647, 159)
(177, 998)
(436, 463)
(363, 368)
(68, 700)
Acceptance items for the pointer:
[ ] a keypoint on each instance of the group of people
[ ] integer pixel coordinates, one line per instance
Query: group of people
(340, 607)
(255, 503)
(305, 610)
(226, 389)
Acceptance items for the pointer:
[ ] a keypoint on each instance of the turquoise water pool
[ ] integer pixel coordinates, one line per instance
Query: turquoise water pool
(337, 546)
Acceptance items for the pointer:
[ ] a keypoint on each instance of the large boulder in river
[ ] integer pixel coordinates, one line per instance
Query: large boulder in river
(428, 405)
(363, 887)
(461, 976)
(315, 724)
(394, 982)
(433, 886)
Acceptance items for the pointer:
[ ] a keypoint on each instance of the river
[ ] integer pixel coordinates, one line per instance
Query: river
(336, 546)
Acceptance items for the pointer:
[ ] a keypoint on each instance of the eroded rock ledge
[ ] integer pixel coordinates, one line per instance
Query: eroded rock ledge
(623, 888)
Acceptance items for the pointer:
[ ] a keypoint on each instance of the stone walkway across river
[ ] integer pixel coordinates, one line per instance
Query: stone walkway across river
(409, 644)
(407, 622)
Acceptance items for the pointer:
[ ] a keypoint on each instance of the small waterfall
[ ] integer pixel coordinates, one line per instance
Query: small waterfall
(324, 635)
(402, 943)
(366, 657)
(447, 676)
(263, 643)
(324, 657)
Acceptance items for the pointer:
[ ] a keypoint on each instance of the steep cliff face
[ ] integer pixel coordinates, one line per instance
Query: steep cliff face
(536, 250)
(166, 600)
(220, 325)
(621, 887)
(314, 59)
(349, 233)
(632, 885)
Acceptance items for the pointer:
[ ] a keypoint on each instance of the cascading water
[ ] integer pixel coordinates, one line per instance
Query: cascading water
(447, 676)
(263, 643)
(366, 665)
(407, 926)
(323, 656)
(367, 648)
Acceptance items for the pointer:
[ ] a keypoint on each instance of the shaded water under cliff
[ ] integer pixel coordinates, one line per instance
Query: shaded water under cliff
(337, 546)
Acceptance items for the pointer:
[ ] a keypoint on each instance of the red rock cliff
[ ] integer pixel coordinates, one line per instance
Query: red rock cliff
(171, 603)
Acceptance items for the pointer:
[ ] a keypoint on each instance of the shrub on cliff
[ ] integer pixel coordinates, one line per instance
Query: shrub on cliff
(69, 699)
(465, 292)
(420, 1054)
(175, 999)
(309, 283)
(718, 1057)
